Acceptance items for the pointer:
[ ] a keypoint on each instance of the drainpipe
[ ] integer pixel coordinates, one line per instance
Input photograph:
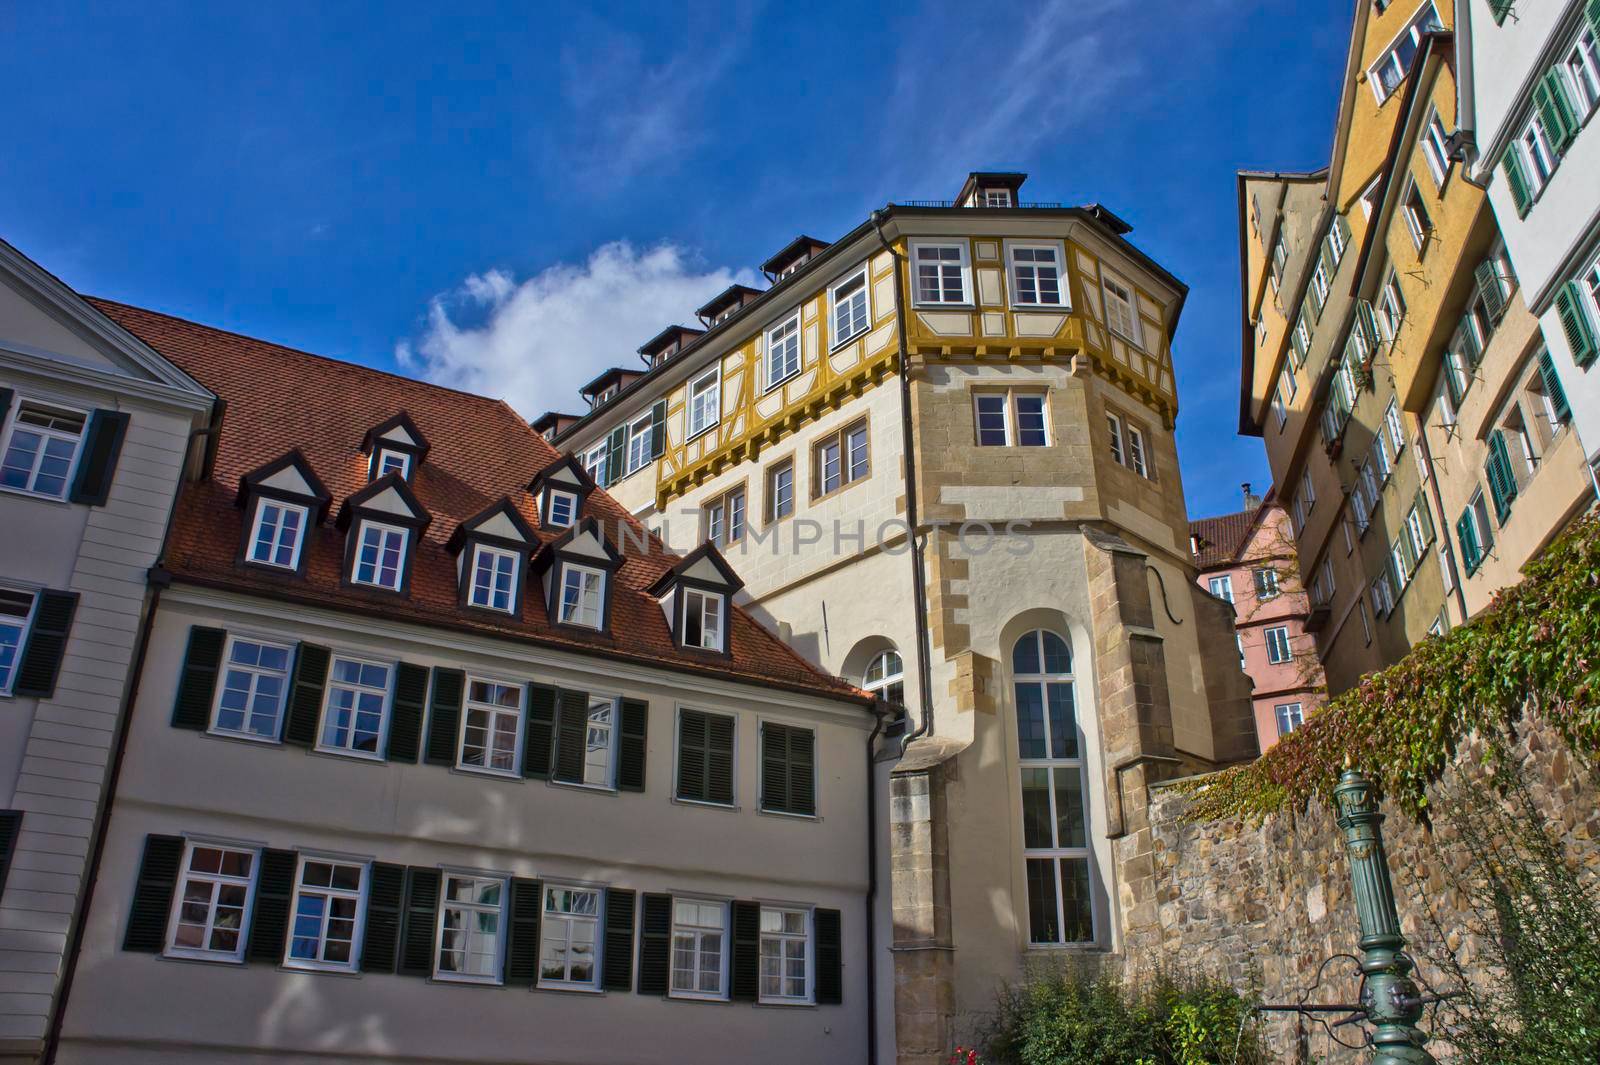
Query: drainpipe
(879, 711)
(1466, 135)
(919, 541)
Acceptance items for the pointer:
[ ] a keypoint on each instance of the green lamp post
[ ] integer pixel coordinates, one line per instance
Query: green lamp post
(1390, 998)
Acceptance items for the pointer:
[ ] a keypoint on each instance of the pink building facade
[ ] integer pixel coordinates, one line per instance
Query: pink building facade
(1248, 558)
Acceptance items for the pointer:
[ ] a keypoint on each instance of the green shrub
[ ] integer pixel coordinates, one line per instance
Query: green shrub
(1069, 1016)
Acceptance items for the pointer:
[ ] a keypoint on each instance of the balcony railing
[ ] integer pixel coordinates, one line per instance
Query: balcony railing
(1026, 205)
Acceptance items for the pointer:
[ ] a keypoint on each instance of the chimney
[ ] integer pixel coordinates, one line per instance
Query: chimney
(1251, 500)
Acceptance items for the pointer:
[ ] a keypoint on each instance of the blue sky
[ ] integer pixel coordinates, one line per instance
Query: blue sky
(510, 197)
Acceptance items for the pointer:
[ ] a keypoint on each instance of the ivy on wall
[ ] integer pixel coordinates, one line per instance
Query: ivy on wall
(1537, 646)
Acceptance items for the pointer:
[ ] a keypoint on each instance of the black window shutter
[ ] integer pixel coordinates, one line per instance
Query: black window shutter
(539, 743)
(655, 945)
(830, 958)
(802, 771)
(269, 918)
(10, 825)
(305, 695)
(522, 942)
(197, 682)
(422, 908)
(380, 939)
(745, 972)
(6, 396)
(658, 428)
(152, 894)
(444, 719)
(405, 716)
(102, 445)
(719, 758)
(774, 766)
(572, 730)
(692, 755)
(616, 964)
(47, 643)
(615, 448)
(635, 723)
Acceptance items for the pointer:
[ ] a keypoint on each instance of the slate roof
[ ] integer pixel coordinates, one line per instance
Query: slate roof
(279, 399)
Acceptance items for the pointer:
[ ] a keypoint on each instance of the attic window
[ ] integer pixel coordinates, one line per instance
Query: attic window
(582, 596)
(997, 198)
(703, 614)
(391, 461)
(380, 559)
(560, 509)
(494, 578)
(605, 395)
(278, 533)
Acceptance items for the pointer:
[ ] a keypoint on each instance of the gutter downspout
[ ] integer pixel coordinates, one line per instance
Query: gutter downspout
(878, 711)
(1466, 134)
(919, 541)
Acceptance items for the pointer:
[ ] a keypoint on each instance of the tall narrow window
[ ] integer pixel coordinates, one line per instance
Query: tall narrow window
(581, 591)
(471, 927)
(16, 610)
(839, 459)
(380, 557)
(494, 577)
(941, 273)
(1394, 64)
(993, 427)
(699, 940)
(212, 899)
(279, 530)
(1031, 428)
(1266, 583)
(358, 696)
(1136, 457)
(725, 517)
(702, 619)
(327, 909)
(40, 449)
(1114, 424)
(885, 677)
(783, 351)
(639, 434)
(1055, 823)
(705, 401)
(780, 490)
(1435, 149)
(1583, 71)
(1278, 644)
(785, 955)
(567, 937)
(851, 314)
(491, 727)
(1036, 276)
(594, 464)
(1415, 211)
(1122, 314)
(254, 681)
(599, 742)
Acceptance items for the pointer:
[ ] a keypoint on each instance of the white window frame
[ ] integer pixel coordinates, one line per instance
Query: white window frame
(1221, 587)
(1435, 149)
(13, 423)
(1539, 158)
(276, 543)
(501, 912)
(22, 626)
(1581, 67)
(494, 712)
(716, 635)
(1058, 251)
(1137, 460)
(997, 198)
(1275, 589)
(358, 922)
(1114, 424)
(255, 673)
(787, 329)
(1413, 29)
(637, 447)
(571, 499)
(595, 461)
(1419, 234)
(862, 274)
(497, 557)
(698, 931)
(577, 568)
(346, 750)
(1288, 648)
(705, 416)
(1128, 299)
(612, 732)
(978, 414)
(217, 881)
(1011, 415)
(1291, 714)
(384, 530)
(963, 265)
(385, 454)
(806, 939)
(549, 918)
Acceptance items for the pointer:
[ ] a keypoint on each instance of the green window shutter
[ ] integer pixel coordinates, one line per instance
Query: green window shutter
(632, 744)
(1468, 541)
(655, 945)
(305, 695)
(572, 730)
(1593, 14)
(444, 716)
(1499, 9)
(692, 755)
(269, 914)
(1470, 347)
(1561, 119)
(1511, 164)
(538, 745)
(1343, 226)
(1294, 343)
(40, 664)
(744, 973)
(1575, 324)
(1552, 388)
(615, 449)
(1487, 275)
(380, 934)
(102, 445)
(522, 939)
(1316, 302)
(197, 681)
(1502, 482)
(10, 828)
(1367, 322)
(152, 894)
(421, 911)
(829, 977)
(616, 962)
(405, 713)
(1424, 517)
(658, 428)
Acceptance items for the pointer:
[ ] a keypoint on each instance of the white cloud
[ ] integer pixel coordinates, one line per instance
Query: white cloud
(534, 342)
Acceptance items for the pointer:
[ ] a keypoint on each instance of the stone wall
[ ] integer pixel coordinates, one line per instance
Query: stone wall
(1264, 906)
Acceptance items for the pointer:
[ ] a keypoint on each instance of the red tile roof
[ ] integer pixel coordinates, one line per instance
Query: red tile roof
(1222, 538)
(279, 398)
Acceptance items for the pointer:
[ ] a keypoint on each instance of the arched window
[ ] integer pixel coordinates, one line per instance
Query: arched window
(885, 677)
(1055, 828)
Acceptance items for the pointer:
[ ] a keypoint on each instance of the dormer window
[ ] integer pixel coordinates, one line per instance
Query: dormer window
(577, 571)
(702, 619)
(278, 535)
(582, 595)
(383, 524)
(561, 509)
(394, 446)
(494, 578)
(282, 502)
(380, 556)
(561, 490)
(391, 461)
(490, 548)
(997, 197)
(695, 596)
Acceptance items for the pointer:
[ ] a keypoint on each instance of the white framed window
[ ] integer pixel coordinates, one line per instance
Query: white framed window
(783, 351)
(1369, 196)
(562, 509)
(1391, 423)
(1391, 67)
(1278, 644)
(1055, 806)
(494, 578)
(1308, 493)
(1122, 310)
(392, 461)
(699, 948)
(1435, 150)
(471, 928)
(600, 742)
(1221, 587)
(1011, 418)
(1037, 276)
(356, 707)
(491, 727)
(1290, 717)
(705, 401)
(381, 556)
(1266, 581)
(702, 619)
(1533, 143)
(1279, 411)
(595, 462)
(942, 274)
(997, 197)
(326, 915)
(568, 934)
(885, 677)
(16, 614)
(1136, 455)
(1319, 282)
(278, 534)
(1415, 212)
(780, 490)
(1391, 307)
(725, 517)
(1302, 333)
(785, 955)
(41, 448)
(582, 589)
(1114, 424)
(994, 429)
(1583, 73)
(215, 889)
(639, 443)
(254, 688)
(1291, 387)
(1280, 259)
(839, 459)
(850, 305)
(1239, 640)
